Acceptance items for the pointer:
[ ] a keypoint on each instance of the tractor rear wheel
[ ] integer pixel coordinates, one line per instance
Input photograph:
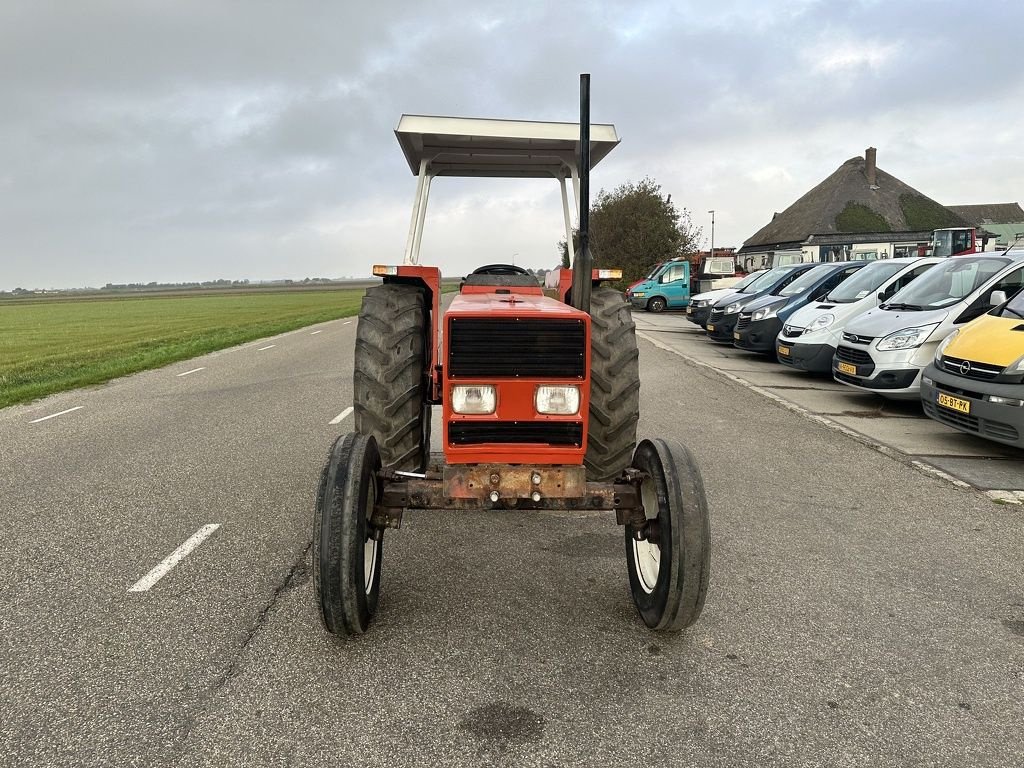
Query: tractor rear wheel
(347, 550)
(389, 383)
(614, 386)
(670, 565)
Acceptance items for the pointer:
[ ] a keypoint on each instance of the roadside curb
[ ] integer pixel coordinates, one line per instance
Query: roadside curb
(1001, 497)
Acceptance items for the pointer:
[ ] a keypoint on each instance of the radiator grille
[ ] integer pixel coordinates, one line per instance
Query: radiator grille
(510, 347)
(970, 369)
(549, 432)
(850, 355)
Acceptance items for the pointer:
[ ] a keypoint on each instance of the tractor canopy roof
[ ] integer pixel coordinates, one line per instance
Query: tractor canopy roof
(473, 146)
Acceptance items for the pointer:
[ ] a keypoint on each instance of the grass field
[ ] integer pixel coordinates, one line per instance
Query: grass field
(48, 346)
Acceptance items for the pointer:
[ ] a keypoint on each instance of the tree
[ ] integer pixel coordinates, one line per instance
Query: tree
(633, 227)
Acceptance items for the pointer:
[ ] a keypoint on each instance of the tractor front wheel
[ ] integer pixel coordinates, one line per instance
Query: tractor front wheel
(347, 550)
(614, 386)
(389, 383)
(669, 561)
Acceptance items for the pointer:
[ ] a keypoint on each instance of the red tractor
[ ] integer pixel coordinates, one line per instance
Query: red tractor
(540, 396)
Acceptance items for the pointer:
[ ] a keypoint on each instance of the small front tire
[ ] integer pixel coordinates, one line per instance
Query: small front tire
(347, 551)
(668, 572)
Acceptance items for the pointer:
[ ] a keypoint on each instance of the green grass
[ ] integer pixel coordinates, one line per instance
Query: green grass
(51, 345)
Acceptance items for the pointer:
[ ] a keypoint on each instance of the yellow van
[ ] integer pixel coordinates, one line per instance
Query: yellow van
(976, 382)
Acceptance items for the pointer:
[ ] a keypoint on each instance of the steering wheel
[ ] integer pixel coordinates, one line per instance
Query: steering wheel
(499, 269)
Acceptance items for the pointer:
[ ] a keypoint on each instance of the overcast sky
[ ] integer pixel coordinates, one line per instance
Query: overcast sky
(181, 140)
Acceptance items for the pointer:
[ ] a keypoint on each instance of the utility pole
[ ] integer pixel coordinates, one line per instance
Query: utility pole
(712, 254)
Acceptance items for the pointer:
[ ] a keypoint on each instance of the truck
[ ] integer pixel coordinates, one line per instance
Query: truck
(539, 395)
(670, 284)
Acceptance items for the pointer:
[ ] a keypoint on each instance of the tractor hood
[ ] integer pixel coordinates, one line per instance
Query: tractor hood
(513, 304)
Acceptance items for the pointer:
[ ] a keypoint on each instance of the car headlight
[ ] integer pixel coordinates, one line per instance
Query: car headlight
(733, 308)
(640, 294)
(1015, 367)
(821, 322)
(941, 349)
(765, 312)
(557, 399)
(696, 303)
(908, 338)
(473, 398)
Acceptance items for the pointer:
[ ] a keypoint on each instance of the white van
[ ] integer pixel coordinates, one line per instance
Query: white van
(885, 349)
(810, 336)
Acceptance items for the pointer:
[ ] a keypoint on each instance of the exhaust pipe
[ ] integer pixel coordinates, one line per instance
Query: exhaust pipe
(583, 264)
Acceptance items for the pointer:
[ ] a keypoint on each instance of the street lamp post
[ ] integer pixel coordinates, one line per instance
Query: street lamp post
(712, 234)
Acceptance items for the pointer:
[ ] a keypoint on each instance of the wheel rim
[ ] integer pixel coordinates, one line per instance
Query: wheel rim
(371, 544)
(647, 554)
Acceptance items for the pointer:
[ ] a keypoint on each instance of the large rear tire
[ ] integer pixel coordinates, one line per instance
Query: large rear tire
(389, 382)
(614, 385)
(669, 570)
(347, 551)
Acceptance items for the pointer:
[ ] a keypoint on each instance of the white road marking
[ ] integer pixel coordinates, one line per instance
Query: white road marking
(194, 370)
(269, 346)
(337, 419)
(55, 415)
(314, 333)
(167, 564)
(347, 322)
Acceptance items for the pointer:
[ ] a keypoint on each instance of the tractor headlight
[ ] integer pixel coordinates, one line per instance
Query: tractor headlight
(563, 400)
(908, 338)
(473, 398)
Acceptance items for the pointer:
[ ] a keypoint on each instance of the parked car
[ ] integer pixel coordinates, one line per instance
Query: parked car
(726, 310)
(810, 335)
(700, 305)
(885, 350)
(761, 321)
(976, 382)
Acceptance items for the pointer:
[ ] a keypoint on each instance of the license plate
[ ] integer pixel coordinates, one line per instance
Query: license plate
(736, 336)
(689, 310)
(710, 327)
(953, 403)
(784, 351)
(847, 368)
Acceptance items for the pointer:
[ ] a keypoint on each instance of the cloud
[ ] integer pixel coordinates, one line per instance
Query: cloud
(189, 140)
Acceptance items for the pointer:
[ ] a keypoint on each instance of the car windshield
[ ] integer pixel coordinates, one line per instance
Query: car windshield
(767, 280)
(864, 282)
(806, 281)
(748, 280)
(946, 284)
(653, 272)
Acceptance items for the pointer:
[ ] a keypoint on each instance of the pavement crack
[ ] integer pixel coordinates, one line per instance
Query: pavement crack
(297, 575)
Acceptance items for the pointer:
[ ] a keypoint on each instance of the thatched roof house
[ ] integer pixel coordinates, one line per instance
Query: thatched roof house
(859, 204)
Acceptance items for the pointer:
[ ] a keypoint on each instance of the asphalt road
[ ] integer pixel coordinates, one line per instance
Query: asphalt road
(861, 611)
(897, 427)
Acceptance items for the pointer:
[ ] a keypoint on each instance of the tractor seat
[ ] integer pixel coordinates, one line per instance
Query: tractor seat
(502, 275)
